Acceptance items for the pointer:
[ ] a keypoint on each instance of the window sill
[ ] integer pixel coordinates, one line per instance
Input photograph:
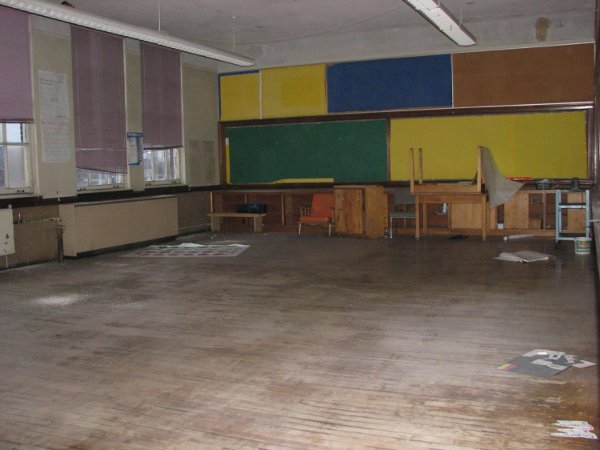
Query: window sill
(95, 190)
(161, 189)
(165, 183)
(15, 194)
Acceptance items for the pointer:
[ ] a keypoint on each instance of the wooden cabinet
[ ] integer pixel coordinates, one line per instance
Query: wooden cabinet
(576, 217)
(516, 212)
(349, 210)
(465, 216)
(376, 211)
(361, 210)
(530, 211)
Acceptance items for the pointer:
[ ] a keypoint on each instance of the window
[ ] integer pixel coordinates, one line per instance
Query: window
(98, 179)
(16, 110)
(161, 115)
(15, 158)
(99, 104)
(162, 166)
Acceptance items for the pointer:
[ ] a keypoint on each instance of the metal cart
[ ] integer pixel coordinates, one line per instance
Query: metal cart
(561, 205)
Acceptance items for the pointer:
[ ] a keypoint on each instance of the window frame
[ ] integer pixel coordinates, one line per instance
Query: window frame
(100, 187)
(178, 168)
(28, 145)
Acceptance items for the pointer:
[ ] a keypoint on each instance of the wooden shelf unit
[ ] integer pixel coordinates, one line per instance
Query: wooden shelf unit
(529, 211)
(360, 210)
(363, 210)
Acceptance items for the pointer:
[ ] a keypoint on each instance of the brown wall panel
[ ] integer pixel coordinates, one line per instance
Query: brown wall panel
(35, 236)
(524, 76)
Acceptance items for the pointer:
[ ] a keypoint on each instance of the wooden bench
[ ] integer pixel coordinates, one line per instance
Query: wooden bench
(217, 218)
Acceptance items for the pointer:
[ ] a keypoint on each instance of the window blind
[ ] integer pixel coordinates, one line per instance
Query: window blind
(16, 103)
(99, 101)
(161, 97)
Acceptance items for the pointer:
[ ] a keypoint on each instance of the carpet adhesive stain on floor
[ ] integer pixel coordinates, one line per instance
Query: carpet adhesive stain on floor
(58, 300)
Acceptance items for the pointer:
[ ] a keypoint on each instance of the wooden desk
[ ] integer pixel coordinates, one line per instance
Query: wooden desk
(217, 218)
(451, 198)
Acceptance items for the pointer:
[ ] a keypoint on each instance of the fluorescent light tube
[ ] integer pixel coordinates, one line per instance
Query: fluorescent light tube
(88, 20)
(439, 16)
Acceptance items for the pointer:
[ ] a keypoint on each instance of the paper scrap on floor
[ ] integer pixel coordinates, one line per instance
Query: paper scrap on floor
(544, 363)
(524, 256)
(574, 429)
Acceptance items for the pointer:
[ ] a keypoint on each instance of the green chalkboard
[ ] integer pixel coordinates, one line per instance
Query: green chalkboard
(348, 151)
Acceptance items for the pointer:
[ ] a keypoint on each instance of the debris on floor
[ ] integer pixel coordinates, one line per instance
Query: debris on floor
(458, 237)
(544, 363)
(574, 429)
(524, 256)
(514, 237)
(189, 250)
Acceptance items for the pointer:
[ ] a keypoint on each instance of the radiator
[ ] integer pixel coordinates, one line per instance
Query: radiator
(7, 232)
(93, 226)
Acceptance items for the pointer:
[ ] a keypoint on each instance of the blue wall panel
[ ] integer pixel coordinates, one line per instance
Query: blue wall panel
(390, 84)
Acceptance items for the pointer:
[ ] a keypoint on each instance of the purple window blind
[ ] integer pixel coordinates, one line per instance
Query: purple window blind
(161, 97)
(15, 81)
(99, 101)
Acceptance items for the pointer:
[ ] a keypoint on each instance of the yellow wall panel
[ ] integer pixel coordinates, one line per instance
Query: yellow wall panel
(294, 91)
(240, 96)
(542, 145)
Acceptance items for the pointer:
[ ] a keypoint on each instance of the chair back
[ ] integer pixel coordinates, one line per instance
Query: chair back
(404, 197)
(323, 205)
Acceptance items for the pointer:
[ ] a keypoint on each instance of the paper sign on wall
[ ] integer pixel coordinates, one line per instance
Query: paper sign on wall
(54, 117)
(135, 148)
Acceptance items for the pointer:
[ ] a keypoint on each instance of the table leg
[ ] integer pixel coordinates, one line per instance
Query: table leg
(424, 219)
(257, 224)
(215, 224)
(484, 215)
(544, 210)
(417, 218)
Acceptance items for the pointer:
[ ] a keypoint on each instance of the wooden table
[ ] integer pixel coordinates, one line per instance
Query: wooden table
(471, 197)
(217, 218)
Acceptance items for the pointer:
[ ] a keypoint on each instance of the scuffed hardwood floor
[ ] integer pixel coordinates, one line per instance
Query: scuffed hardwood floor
(298, 343)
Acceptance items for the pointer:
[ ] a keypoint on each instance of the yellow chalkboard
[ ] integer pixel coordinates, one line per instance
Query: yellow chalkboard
(240, 96)
(294, 91)
(538, 145)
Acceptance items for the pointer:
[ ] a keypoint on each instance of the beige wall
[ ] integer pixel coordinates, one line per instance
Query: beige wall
(133, 104)
(51, 51)
(192, 208)
(200, 131)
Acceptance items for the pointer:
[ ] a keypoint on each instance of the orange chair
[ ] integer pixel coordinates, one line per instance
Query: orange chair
(320, 213)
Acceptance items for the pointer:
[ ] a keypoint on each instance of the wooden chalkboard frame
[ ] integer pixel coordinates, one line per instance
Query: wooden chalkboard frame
(588, 107)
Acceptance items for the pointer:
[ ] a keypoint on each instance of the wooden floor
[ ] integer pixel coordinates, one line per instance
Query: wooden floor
(298, 343)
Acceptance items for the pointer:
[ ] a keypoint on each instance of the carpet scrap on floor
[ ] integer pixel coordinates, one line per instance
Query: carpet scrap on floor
(187, 250)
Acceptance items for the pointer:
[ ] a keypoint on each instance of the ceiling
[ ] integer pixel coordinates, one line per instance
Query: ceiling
(255, 23)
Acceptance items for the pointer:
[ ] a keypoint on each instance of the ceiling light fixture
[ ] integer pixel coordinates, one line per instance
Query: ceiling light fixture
(439, 16)
(88, 20)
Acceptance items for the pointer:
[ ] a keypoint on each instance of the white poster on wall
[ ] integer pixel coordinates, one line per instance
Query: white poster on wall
(54, 117)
